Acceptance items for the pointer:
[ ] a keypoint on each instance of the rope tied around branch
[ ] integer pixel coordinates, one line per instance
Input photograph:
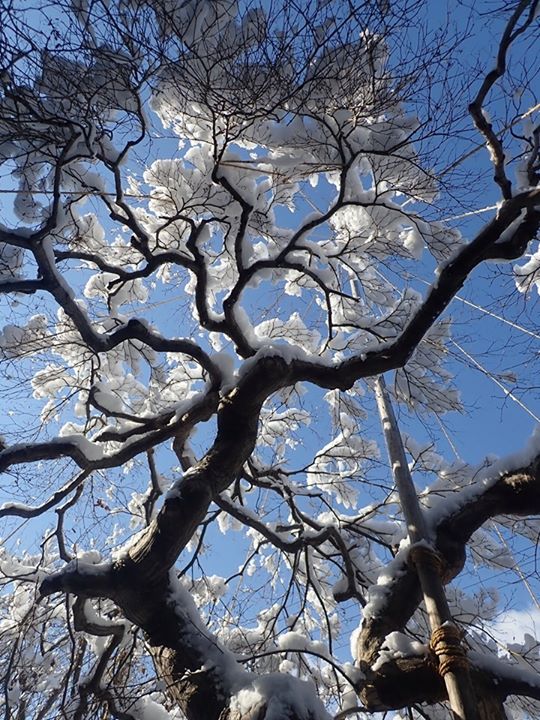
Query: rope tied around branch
(424, 555)
(446, 643)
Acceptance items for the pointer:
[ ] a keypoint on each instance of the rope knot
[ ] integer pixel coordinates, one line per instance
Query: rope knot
(425, 555)
(446, 643)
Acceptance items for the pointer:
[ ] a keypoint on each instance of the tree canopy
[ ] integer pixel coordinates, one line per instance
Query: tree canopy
(222, 222)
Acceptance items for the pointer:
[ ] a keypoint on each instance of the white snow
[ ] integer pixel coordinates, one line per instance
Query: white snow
(249, 691)
(387, 576)
(279, 694)
(91, 450)
(485, 477)
(147, 709)
(398, 645)
(507, 234)
(501, 668)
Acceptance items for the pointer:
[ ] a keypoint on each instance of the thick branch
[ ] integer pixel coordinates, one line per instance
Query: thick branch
(187, 503)
(403, 682)
(28, 287)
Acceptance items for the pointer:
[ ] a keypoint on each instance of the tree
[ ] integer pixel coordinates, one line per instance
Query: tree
(213, 250)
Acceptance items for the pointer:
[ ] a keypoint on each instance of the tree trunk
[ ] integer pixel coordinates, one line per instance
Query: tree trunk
(490, 707)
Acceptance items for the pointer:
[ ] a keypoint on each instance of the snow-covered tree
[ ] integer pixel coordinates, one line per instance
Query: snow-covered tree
(217, 222)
